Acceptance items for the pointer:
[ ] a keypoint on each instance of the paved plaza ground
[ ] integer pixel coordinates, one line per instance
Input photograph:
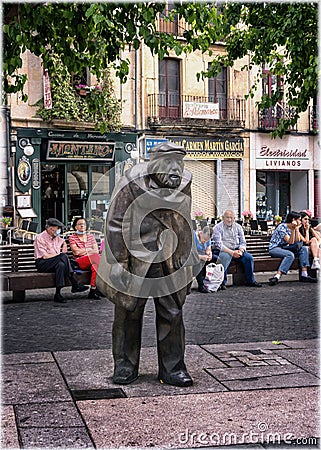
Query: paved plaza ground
(253, 354)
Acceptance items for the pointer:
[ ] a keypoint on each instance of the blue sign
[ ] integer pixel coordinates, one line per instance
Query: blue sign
(151, 142)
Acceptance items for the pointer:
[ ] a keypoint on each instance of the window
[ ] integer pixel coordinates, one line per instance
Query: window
(169, 88)
(217, 91)
(166, 26)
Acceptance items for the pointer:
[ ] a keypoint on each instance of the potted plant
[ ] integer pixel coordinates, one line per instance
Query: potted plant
(199, 215)
(277, 220)
(6, 221)
(247, 216)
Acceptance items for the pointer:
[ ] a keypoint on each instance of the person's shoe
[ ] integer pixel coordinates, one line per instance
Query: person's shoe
(125, 375)
(93, 294)
(316, 264)
(59, 298)
(79, 288)
(180, 378)
(273, 281)
(203, 290)
(308, 279)
(223, 287)
(255, 284)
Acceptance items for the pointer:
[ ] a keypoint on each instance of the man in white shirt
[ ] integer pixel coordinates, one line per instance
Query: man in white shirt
(229, 243)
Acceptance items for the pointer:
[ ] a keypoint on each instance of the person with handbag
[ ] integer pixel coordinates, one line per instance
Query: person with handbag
(202, 240)
(286, 243)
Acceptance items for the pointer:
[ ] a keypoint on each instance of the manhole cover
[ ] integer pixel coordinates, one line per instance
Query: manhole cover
(97, 394)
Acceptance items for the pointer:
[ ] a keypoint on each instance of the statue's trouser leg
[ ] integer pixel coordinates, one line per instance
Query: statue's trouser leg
(170, 335)
(127, 329)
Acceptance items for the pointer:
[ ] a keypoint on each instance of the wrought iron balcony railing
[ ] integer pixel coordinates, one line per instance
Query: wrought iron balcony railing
(172, 108)
(269, 118)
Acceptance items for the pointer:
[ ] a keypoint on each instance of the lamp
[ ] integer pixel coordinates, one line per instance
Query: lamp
(25, 144)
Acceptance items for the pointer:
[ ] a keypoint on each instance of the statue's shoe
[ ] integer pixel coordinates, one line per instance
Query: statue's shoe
(125, 375)
(180, 378)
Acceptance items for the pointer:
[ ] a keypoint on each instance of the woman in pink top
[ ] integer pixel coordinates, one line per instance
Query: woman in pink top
(85, 251)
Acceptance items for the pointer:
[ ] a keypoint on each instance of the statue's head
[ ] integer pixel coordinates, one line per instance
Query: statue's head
(166, 164)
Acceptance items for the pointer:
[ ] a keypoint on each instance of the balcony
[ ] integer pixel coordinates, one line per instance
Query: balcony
(170, 109)
(269, 118)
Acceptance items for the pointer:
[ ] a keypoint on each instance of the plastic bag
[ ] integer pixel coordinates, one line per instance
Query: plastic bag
(214, 276)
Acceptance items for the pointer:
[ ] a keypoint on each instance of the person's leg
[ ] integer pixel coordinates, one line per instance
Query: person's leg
(171, 341)
(127, 328)
(200, 279)
(315, 251)
(248, 263)
(90, 262)
(303, 256)
(225, 259)
(286, 263)
(54, 265)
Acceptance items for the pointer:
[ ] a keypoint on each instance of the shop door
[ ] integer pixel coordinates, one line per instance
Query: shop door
(52, 192)
(77, 181)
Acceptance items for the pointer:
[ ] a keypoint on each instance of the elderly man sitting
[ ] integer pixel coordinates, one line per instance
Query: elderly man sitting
(229, 243)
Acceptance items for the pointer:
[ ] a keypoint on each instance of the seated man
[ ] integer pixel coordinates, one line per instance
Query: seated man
(51, 256)
(229, 243)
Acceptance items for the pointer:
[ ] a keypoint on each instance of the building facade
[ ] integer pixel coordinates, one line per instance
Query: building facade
(64, 169)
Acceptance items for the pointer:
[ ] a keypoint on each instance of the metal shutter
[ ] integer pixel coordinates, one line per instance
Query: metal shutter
(203, 186)
(230, 178)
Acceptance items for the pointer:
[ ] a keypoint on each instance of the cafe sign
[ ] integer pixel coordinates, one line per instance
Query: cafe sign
(213, 148)
(195, 110)
(67, 150)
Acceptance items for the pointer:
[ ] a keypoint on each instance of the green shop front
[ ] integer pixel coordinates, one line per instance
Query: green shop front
(64, 174)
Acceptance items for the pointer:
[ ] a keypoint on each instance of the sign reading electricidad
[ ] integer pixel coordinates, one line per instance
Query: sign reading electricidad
(212, 148)
(81, 150)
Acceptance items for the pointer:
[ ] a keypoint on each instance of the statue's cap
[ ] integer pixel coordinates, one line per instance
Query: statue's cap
(167, 147)
(52, 222)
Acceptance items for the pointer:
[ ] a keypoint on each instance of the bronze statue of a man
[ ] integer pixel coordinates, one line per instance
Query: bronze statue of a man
(150, 252)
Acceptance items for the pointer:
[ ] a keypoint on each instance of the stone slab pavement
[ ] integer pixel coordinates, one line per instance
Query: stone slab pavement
(253, 354)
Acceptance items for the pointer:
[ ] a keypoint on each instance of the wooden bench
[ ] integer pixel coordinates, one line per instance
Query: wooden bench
(18, 272)
(258, 246)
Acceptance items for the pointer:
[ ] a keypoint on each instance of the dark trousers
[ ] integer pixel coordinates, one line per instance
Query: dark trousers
(60, 265)
(127, 330)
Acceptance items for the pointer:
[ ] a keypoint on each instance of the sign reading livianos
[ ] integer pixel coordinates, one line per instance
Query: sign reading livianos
(289, 153)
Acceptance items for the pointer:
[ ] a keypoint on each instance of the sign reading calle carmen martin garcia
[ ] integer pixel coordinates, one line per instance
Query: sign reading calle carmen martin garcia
(214, 148)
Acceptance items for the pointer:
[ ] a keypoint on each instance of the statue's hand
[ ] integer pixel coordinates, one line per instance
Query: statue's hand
(178, 262)
(120, 276)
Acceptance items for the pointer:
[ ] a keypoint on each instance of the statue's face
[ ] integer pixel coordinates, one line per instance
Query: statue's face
(167, 169)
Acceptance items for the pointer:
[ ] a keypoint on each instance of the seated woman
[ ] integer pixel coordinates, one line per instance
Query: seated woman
(286, 243)
(311, 238)
(85, 251)
(203, 247)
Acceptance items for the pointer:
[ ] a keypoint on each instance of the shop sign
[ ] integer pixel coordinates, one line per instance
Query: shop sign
(24, 170)
(195, 110)
(288, 154)
(47, 91)
(219, 148)
(81, 150)
(36, 173)
(151, 142)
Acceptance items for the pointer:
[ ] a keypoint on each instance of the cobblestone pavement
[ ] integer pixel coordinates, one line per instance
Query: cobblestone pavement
(239, 314)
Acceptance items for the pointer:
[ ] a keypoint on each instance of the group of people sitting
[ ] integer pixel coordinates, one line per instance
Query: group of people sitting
(223, 243)
(226, 242)
(51, 256)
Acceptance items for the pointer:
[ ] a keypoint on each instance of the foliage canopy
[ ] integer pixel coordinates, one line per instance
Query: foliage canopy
(282, 35)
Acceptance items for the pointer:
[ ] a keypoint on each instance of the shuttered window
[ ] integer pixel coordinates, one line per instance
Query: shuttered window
(230, 178)
(203, 186)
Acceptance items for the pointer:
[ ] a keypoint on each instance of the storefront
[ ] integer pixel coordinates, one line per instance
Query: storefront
(216, 164)
(283, 173)
(58, 171)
